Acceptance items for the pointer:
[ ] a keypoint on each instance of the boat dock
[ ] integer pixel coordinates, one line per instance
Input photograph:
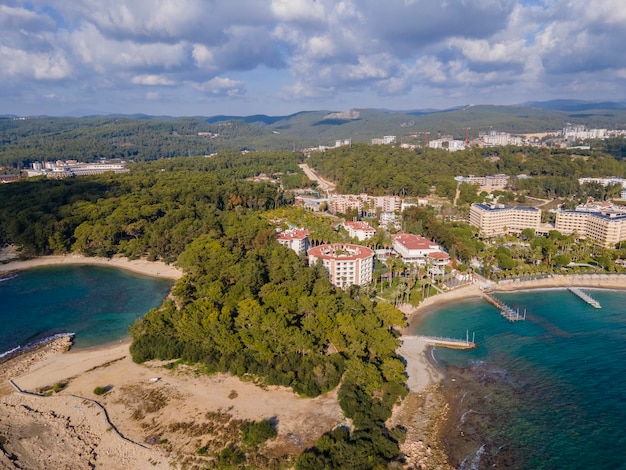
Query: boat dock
(507, 312)
(450, 343)
(586, 297)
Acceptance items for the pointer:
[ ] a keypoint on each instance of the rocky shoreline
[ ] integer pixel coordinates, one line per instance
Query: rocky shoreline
(21, 360)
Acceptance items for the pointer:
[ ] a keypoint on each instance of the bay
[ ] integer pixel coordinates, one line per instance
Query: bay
(545, 393)
(96, 303)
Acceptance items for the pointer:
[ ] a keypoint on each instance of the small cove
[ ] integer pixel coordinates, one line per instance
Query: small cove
(96, 303)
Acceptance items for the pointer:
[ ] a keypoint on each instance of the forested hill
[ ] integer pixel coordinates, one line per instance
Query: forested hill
(384, 169)
(141, 138)
(247, 305)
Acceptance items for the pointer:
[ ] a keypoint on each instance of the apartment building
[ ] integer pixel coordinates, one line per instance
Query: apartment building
(347, 264)
(447, 143)
(498, 219)
(495, 139)
(296, 239)
(341, 203)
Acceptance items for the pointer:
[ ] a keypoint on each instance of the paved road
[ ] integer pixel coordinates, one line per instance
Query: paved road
(323, 184)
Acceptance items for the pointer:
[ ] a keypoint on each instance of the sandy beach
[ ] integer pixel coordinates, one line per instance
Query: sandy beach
(140, 266)
(150, 416)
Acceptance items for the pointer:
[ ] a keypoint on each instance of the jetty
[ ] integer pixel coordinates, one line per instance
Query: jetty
(450, 343)
(584, 296)
(507, 312)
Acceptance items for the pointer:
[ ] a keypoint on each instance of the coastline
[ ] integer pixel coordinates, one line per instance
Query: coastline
(475, 289)
(424, 412)
(188, 395)
(139, 266)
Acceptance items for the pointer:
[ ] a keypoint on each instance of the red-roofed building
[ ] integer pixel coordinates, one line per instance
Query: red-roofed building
(346, 264)
(416, 249)
(360, 230)
(296, 239)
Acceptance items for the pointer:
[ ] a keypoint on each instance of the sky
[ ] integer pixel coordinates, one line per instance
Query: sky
(277, 57)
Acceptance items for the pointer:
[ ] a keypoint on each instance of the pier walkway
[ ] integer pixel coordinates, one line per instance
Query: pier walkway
(586, 297)
(450, 343)
(507, 312)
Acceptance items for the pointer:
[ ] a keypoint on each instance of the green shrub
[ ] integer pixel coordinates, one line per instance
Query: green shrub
(255, 433)
(100, 390)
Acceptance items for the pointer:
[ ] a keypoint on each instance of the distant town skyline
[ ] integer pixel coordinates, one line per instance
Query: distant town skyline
(278, 57)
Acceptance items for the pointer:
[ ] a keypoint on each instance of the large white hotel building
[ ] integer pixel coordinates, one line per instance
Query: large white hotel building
(498, 219)
(346, 264)
(608, 228)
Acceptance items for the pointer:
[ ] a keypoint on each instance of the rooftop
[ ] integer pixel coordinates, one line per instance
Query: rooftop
(294, 234)
(342, 251)
(414, 242)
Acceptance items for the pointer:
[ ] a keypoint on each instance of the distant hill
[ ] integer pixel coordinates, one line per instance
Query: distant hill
(143, 137)
(575, 105)
(324, 127)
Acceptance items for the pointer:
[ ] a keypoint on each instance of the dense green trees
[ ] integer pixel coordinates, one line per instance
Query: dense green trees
(90, 139)
(394, 170)
(247, 305)
(156, 210)
(251, 307)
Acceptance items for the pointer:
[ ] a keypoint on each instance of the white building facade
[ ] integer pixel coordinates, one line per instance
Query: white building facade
(295, 239)
(347, 264)
(498, 219)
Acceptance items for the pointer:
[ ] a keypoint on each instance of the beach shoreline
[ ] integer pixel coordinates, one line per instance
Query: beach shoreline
(110, 365)
(475, 290)
(138, 266)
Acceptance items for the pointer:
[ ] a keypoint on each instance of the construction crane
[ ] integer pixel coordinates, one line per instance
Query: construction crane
(425, 134)
(467, 129)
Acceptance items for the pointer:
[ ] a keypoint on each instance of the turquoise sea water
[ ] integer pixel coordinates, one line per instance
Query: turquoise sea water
(547, 393)
(96, 303)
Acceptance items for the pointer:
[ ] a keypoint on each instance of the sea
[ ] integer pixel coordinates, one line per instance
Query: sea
(545, 393)
(97, 304)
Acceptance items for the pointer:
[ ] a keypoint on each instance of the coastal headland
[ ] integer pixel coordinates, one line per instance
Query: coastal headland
(153, 417)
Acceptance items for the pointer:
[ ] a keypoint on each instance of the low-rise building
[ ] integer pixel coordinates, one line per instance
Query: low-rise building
(296, 239)
(486, 183)
(498, 219)
(61, 169)
(347, 264)
(359, 230)
(415, 249)
(437, 262)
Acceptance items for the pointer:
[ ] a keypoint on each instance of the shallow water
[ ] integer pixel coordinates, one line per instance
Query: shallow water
(96, 303)
(547, 393)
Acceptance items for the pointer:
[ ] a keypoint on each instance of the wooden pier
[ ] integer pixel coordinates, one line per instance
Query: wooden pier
(586, 297)
(507, 312)
(451, 343)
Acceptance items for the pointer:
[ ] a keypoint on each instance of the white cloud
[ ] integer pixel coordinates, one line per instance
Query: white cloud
(481, 50)
(298, 10)
(222, 86)
(203, 57)
(42, 66)
(108, 55)
(152, 80)
(315, 48)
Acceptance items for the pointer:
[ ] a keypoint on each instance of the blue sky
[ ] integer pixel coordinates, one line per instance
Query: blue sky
(275, 57)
